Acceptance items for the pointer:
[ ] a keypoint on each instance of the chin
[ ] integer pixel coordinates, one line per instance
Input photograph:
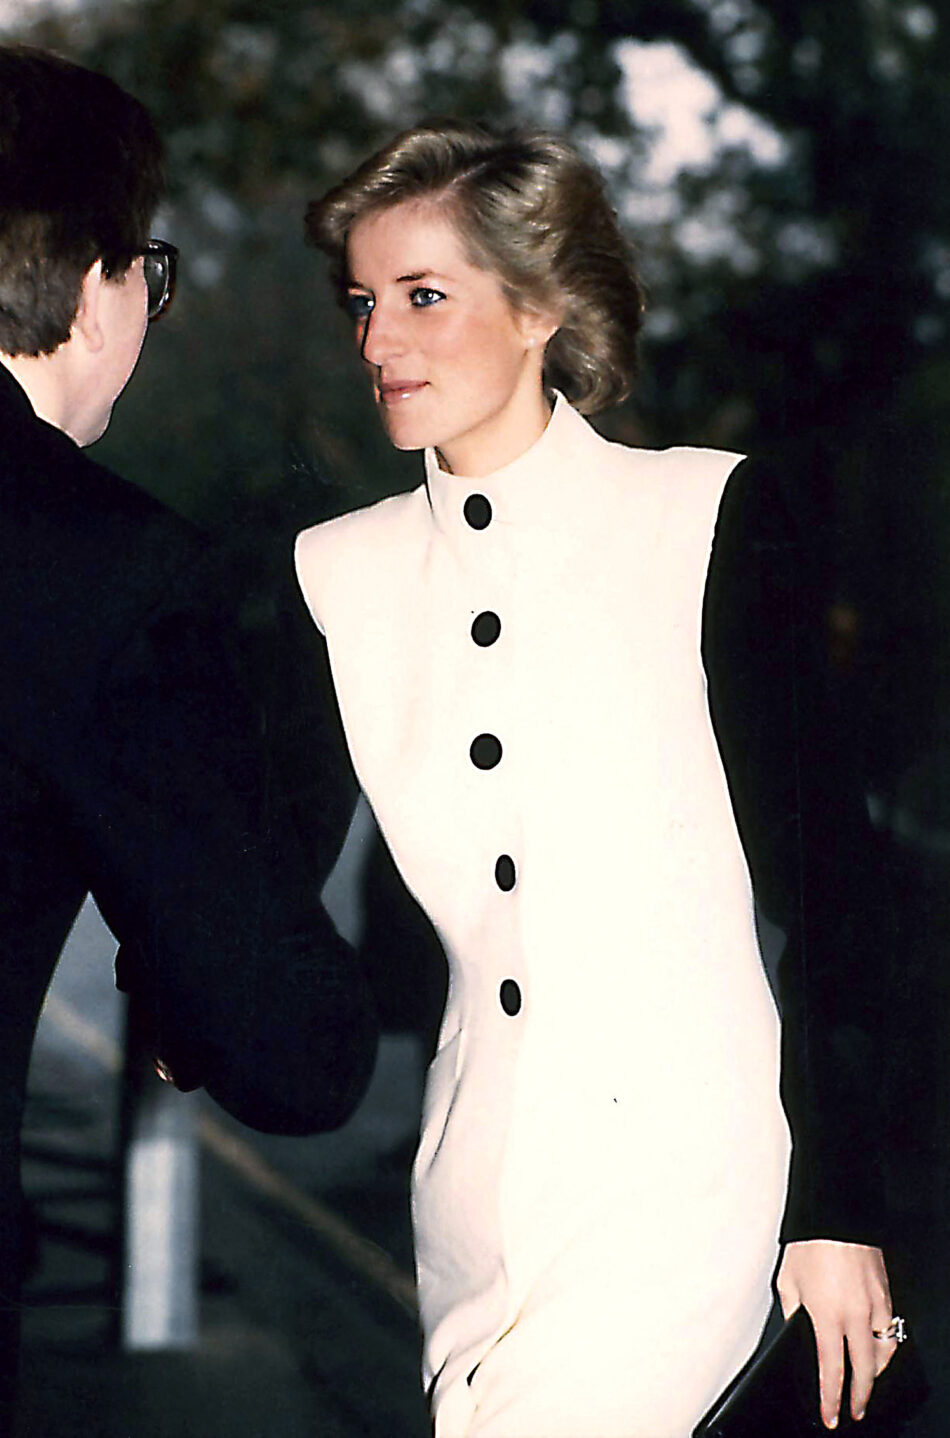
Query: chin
(93, 432)
(405, 436)
(97, 430)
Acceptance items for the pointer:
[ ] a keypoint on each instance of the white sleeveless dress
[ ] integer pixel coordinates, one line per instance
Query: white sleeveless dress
(602, 1167)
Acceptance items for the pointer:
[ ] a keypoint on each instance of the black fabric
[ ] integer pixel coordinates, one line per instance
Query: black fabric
(794, 774)
(136, 762)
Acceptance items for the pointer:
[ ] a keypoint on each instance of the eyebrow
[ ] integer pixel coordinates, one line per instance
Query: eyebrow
(355, 284)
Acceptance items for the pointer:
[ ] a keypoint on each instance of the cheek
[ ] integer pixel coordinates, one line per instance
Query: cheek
(500, 359)
(140, 334)
(138, 309)
(483, 349)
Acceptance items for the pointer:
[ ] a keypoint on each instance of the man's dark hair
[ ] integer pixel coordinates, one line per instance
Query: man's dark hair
(81, 174)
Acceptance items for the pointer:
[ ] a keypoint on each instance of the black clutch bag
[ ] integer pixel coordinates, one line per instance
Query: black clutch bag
(776, 1394)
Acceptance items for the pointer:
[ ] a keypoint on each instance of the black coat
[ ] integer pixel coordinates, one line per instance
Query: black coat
(132, 766)
(817, 865)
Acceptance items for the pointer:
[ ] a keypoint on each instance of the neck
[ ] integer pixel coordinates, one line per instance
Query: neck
(511, 434)
(46, 381)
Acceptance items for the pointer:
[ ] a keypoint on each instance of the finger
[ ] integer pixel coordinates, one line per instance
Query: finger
(830, 1375)
(788, 1292)
(864, 1360)
(884, 1350)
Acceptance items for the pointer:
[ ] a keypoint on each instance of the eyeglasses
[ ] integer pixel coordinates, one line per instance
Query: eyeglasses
(160, 260)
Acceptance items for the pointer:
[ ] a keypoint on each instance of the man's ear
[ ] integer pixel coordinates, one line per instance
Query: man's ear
(86, 324)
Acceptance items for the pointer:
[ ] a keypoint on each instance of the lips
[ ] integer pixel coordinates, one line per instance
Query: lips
(395, 391)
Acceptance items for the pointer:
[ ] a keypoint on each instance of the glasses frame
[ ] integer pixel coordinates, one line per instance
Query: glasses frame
(168, 255)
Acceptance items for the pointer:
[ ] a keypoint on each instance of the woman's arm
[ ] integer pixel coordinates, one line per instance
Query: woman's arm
(795, 781)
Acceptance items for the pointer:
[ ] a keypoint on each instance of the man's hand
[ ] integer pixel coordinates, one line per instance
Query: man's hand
(844, 1288)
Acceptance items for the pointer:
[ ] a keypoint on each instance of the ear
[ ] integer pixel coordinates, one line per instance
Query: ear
(537, 327)
(86, 323)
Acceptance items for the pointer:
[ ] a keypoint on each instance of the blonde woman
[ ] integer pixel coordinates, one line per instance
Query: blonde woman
(515, 645)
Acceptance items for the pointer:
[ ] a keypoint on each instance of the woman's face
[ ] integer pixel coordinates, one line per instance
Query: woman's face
(454, 365)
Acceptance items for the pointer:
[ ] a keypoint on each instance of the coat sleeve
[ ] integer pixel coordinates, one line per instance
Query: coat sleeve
(816, 867)
(197, 862)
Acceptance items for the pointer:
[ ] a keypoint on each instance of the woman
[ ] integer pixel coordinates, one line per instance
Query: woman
(516, 652)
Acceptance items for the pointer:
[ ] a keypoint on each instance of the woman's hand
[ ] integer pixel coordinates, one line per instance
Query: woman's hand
(844, 1288)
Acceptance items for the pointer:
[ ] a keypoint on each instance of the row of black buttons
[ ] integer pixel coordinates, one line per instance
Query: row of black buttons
(485, 749)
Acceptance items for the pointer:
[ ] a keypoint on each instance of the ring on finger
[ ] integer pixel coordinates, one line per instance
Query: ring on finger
(897, 1328)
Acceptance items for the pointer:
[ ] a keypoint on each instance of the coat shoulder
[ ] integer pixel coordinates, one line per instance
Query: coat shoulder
(673, 492)
(682, 467)
(353, 546)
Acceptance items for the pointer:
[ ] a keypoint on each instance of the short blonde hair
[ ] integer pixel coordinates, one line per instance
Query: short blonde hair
(532, 211)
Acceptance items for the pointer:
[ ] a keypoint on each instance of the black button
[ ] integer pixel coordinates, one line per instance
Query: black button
(510, 996)
(485, 751)
(505, 872)
(486, 628)
(477, 511)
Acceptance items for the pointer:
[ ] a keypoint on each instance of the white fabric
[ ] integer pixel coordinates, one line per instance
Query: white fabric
(600, 1177)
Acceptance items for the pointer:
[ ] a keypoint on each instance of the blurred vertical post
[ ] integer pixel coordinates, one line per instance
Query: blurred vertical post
(160, 1192)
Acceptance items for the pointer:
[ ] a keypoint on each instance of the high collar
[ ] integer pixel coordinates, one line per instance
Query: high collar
(520, 491)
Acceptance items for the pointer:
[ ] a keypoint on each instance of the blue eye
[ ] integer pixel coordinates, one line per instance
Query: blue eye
(358, 307)
(424, 296)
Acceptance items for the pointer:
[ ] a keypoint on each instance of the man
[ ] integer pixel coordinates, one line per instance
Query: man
(129, 755)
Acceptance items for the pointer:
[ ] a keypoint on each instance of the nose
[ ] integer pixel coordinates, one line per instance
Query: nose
(382, 337)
